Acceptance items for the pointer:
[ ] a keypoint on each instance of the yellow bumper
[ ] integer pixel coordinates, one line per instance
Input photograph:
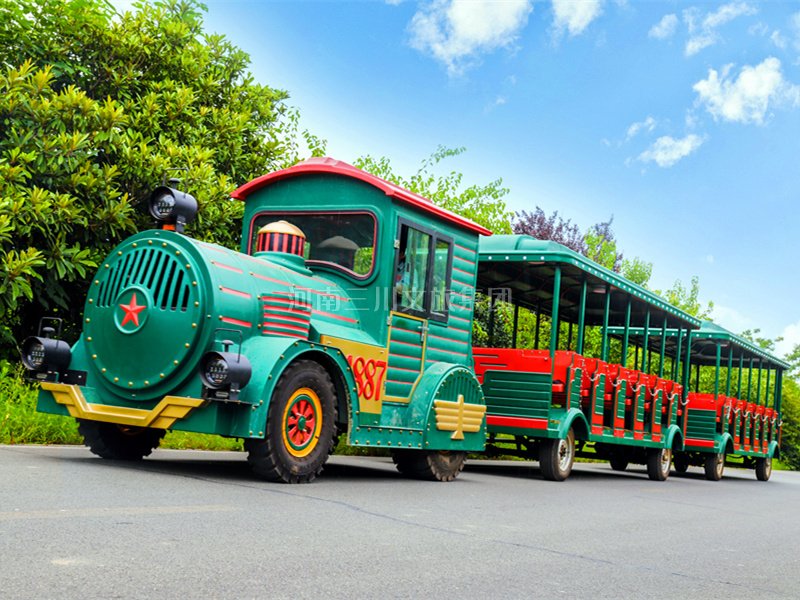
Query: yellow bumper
(161, 416)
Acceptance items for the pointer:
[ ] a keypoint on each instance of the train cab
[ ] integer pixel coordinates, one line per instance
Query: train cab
(389, 279)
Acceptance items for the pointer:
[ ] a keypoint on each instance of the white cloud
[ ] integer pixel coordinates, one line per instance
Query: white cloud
(666, 150)
(498, 101)
(647, 125)
(664, 28)
(710, 259)
(574, 16)
(703, 31)
(778, 39)
(791, 337)
(759, 28)
(456, 31)
(731, 319)
(747, 98)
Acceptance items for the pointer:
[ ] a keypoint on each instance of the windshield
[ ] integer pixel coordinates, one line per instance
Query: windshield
(345, 241)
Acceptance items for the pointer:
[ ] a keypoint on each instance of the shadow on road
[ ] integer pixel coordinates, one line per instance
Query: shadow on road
(234, 467)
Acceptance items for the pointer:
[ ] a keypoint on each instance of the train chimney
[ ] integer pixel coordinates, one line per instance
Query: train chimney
(281, 236)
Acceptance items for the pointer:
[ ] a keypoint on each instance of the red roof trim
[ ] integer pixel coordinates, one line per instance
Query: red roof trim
(336, 167)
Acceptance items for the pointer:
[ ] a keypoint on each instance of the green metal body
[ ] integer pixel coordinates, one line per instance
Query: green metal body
(397, 375)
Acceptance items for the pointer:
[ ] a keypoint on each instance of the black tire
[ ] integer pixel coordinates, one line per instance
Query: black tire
(618, 462)
(431, 465)
(118, 442)
(714, 466)
(556, 457)
(681, 462)
(296, 445)
(658, 463)
(763, 468)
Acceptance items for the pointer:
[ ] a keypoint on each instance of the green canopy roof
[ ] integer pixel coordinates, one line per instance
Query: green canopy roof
(525, 267)
(704, 344)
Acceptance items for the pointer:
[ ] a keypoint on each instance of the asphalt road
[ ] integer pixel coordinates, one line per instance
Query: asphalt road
(187, 524)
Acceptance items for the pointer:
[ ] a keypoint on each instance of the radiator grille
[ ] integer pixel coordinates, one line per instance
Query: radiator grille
(155, 269)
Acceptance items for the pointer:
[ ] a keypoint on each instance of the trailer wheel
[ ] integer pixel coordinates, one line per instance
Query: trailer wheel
(715, 466)
(763, 468)
(556, 457)
(680, 462)
(658, 463)
(618, 461)
(301, 423)
(118, 442)
(432, 465)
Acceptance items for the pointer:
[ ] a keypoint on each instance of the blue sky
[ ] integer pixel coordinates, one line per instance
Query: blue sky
(680, 119)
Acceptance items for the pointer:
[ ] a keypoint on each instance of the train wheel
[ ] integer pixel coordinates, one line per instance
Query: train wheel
(429, 464)
(715, 466)
(681, 462)
(556, 457)
(301, 424)
(618, 462)
(658, 463)
(109, 440)
(763, 468)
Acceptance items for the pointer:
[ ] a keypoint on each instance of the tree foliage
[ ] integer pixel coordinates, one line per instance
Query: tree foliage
(688, 299)
(483, 204)
(601, 245)
(96, 109)
(597, 243)
(539, 225)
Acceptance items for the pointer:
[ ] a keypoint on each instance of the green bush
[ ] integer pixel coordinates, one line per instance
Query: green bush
(19, 421)
(96, 109)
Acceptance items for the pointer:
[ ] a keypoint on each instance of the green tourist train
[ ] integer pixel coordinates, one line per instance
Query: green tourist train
(348, 311)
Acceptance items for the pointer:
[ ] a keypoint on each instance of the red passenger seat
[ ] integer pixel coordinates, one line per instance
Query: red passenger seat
(566, 362)
(510, 359)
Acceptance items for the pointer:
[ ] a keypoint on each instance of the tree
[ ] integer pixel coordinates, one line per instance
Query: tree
(598, 243)
(790, 414)
(601, 245)
(483, 204)
(555, 228)
(636, 270)
(688, 299)
(96, 110)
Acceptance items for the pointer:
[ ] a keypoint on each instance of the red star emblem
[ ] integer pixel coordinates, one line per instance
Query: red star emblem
(132, 311)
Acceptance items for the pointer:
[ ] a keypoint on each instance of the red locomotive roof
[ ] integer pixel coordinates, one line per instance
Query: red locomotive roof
(330, 165)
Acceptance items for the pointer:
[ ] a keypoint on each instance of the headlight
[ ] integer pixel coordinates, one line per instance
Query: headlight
(216, 371)
(34, 357)
(223, 374)
(161, 206)
(45, 354)
(172, 207)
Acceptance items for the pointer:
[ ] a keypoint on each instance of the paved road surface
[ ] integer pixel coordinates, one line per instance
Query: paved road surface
(187, 524)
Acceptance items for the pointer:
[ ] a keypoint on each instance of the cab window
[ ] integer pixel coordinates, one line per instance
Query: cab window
(422, 273)
(344, 241)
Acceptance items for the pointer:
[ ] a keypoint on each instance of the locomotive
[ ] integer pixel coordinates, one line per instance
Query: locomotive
(302, 334)
(349, 309)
